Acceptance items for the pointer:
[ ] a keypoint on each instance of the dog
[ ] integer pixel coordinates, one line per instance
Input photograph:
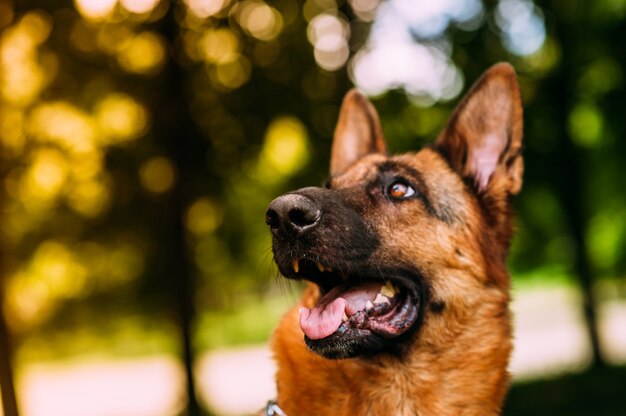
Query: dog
(406, 310)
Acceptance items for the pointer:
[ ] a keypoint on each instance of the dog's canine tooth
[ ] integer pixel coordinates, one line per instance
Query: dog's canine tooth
(380, 298)
(345, 317)
(388, 290)
(369, 305)
(321, 267)
(296, 265)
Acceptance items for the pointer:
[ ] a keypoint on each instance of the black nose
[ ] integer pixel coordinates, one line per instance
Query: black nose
(292, 212)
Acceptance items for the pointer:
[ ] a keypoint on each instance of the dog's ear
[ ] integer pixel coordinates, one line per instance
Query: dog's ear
(358, 133)
(483, 138)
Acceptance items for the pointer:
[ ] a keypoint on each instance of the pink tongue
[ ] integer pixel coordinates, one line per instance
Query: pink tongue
(324, 319)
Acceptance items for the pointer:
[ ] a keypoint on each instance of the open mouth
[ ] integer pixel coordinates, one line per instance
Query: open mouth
(354, 307)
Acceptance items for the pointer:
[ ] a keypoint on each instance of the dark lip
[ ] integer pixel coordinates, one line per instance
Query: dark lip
(405, 314)
(382, 319)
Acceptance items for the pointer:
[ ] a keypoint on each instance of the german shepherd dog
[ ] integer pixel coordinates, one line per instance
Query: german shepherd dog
(406, 310)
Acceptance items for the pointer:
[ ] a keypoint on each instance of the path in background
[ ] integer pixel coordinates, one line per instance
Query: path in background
(549, 339)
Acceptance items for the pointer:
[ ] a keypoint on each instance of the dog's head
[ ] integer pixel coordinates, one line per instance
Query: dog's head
(390, 240)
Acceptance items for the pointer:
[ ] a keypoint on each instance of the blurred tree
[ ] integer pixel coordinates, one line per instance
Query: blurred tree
(582, 157)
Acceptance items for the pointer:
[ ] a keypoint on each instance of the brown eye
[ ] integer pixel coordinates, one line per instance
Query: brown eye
(400, 190)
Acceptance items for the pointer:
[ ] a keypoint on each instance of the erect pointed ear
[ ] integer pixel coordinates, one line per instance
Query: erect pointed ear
(483, 139)
(357, 134)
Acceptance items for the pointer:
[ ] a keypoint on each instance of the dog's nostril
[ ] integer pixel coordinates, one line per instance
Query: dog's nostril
(303, 217)
(292, 213)
(271, 218)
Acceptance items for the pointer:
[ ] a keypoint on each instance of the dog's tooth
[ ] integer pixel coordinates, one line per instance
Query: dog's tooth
(345, 317)
(388, 290)
(296, 265)
(369, 305)
(320, 266)
(380, 298)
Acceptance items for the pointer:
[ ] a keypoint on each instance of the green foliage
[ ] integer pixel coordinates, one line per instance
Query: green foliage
(597, 392)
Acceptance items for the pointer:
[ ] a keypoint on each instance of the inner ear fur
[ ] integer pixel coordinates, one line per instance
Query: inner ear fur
(358, 133)
(483, 138)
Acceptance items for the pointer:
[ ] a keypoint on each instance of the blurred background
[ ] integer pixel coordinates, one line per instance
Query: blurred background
(141, 141)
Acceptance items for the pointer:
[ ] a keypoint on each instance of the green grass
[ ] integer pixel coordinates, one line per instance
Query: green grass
(251, 323)
(597, 392)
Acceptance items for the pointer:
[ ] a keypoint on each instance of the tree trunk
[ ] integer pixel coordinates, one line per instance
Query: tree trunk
(9, 402)
(570, 185)
(183, 146)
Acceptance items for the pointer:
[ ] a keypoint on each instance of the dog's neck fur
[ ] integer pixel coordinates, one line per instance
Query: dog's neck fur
(452, 376)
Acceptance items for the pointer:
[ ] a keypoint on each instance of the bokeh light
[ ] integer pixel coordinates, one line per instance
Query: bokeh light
(64, 125)
(206, 8)
(203, 216)
(46, 176)
(364, 9)
(522, 26)
(120, 118)
(285, 150)
(585, 125)
(258, 19)
(231, 75)
(142, 54)
(220, 46)
(23, 75)
(329, 36)
(139, 6)
(157, 175)
(96, 9)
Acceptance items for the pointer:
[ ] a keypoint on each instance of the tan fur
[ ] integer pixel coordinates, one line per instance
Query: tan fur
(457, 362)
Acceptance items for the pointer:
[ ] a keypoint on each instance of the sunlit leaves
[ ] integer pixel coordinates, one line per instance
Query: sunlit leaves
(585, 125)
(64, 125)
(600, 76)
(219, 46)
(285, 150)
(96, 9)
(231, 75)
(203, 216)
(142, 54)
(364, 9)
(258, 19)
(120, 118)
(58, 271)
(139, 6)
(23, 76)
(607, 237)
(99, 10)
(12, 130)
(45, 177)
(157, 175)
(329, 35)
(206, 8)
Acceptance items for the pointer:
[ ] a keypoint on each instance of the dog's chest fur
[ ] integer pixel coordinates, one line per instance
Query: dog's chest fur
(454, 376)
